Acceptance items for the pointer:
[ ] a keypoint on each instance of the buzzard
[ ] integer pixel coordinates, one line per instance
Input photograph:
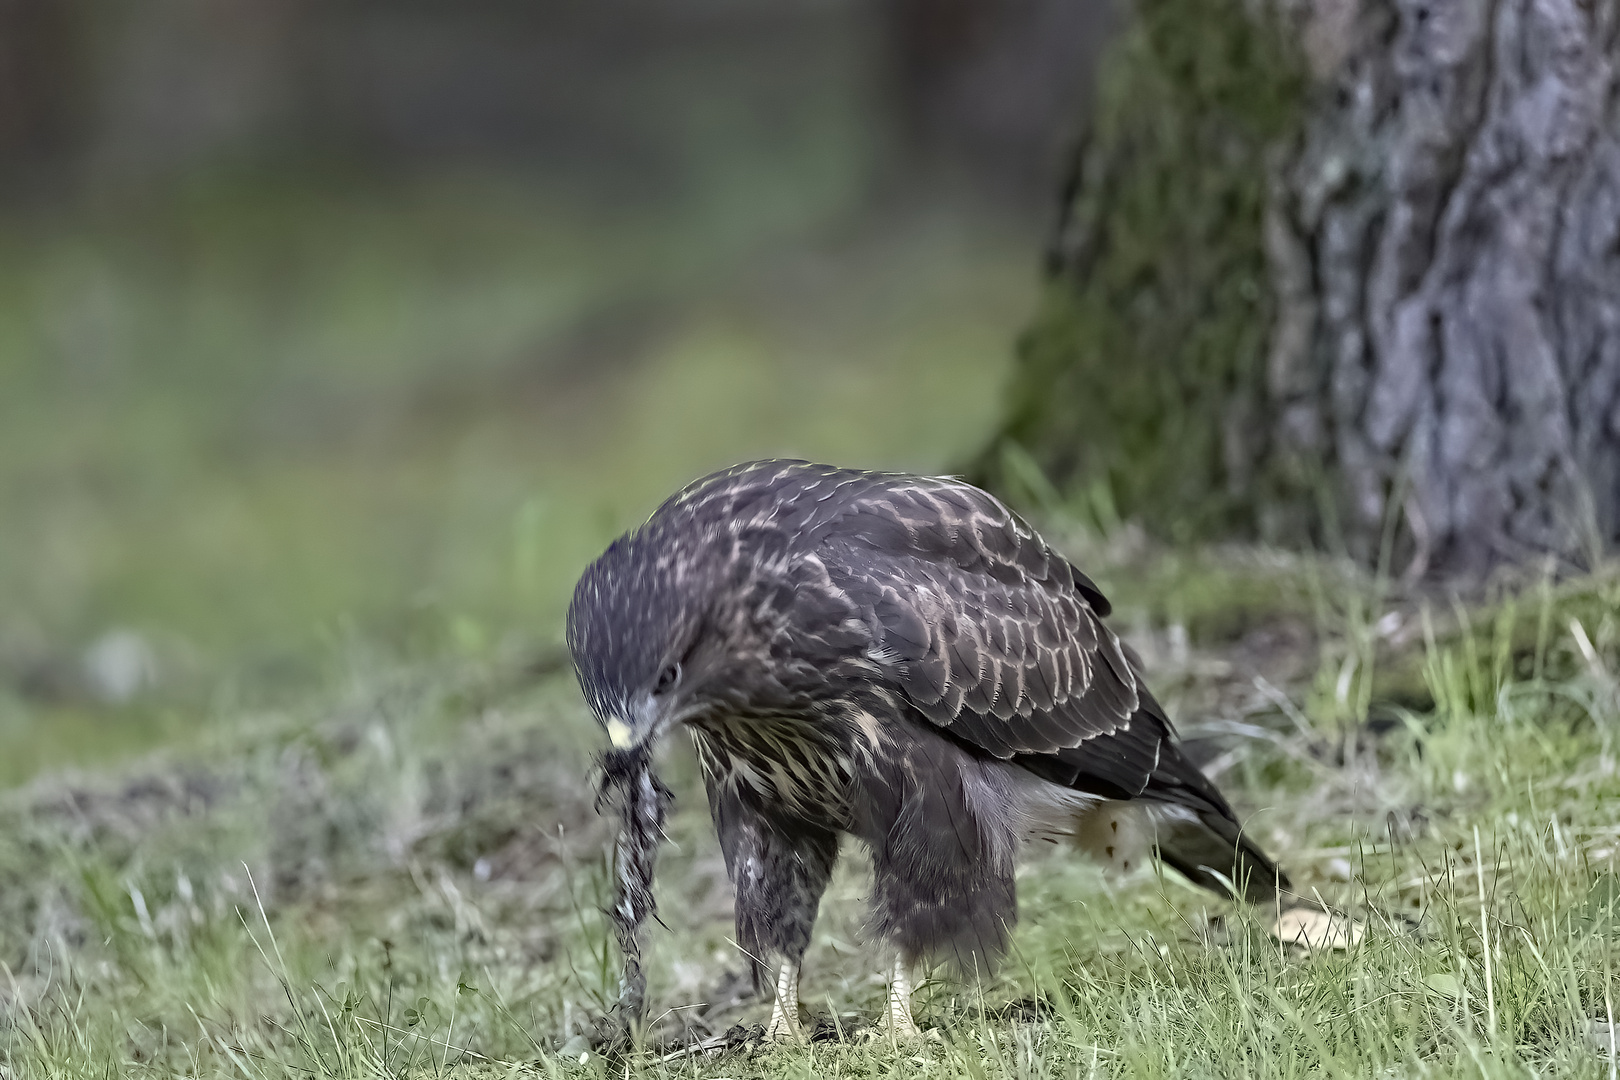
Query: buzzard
(902, 660)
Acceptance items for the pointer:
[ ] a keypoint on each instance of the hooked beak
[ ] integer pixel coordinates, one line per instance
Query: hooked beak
(640, 724)
(620, 734)
(646, 723)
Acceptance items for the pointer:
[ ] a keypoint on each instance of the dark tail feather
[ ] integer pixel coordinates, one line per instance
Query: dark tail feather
(1209, 846)
(1199, 835)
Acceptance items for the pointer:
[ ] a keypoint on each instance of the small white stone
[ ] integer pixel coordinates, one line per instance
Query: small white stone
(118, 665)
(1337, 869)
(1312, 928)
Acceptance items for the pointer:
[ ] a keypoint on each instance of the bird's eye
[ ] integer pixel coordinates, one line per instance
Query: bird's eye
(667, 679)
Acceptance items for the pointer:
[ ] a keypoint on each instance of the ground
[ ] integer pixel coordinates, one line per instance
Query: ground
(331, 813)
(408, 879)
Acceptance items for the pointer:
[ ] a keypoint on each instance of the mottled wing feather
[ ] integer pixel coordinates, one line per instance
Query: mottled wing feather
(984, 628)
(988, 632)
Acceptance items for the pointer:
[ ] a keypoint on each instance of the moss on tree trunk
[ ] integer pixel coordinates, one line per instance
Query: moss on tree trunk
(1145, 363)
(1348, 275)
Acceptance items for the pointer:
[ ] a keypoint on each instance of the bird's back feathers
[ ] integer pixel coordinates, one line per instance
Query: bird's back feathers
(985, 630)
(946, 600)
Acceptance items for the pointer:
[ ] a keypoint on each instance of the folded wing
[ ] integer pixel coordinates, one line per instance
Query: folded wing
(991, 634)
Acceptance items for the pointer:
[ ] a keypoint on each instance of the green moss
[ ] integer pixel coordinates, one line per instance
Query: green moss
(1144, 368)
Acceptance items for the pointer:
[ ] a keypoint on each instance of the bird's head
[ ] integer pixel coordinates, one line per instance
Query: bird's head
(642, 638)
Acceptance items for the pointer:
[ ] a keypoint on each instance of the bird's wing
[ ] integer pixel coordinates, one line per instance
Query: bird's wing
(986, 630)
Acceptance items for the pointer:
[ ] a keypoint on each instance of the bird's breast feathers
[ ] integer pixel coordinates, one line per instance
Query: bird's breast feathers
(788, 761)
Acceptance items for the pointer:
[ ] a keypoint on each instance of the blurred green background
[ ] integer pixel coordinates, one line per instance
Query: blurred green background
(361, 328)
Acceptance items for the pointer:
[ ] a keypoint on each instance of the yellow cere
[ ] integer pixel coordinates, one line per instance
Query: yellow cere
(619, 733)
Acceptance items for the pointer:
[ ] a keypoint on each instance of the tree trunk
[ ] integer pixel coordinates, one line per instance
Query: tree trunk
(986, 88)
(41, 56)
(1430, 368)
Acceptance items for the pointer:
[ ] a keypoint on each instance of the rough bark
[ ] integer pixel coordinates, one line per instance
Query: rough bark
(1441, 236)
(1448, 247)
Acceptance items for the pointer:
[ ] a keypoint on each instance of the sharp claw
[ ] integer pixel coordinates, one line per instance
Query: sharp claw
(782, 1032)
(908, 1034)
(906, 1030)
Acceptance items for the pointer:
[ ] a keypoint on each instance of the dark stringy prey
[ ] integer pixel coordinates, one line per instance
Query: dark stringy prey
(900, 660)
(643, 801)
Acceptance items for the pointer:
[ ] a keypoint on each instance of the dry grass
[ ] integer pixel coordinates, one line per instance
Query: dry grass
(407, 880)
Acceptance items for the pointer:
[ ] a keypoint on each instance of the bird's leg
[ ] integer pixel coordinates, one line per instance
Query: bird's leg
(784, 1025)
(900, 1023)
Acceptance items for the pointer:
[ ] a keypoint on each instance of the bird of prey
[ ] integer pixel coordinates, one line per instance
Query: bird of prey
(902, 660)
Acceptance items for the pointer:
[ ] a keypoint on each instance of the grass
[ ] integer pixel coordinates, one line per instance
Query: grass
(406, 880)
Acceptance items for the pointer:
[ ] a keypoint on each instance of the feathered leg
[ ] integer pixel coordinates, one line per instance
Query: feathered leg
(942, 846)
(779, 867)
